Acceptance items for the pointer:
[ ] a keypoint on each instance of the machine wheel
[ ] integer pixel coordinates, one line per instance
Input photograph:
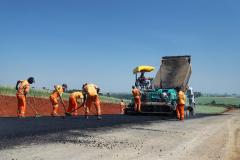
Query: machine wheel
(192, 112)
(187, 113)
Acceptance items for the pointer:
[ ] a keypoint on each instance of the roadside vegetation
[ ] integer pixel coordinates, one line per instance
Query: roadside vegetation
(213, 105)
(208, 109)
(220, 101)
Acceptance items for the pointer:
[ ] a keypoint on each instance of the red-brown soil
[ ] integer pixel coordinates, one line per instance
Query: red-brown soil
(8, 107)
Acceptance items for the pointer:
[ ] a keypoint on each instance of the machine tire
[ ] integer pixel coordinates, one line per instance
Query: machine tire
(187, 113)
(192, 112)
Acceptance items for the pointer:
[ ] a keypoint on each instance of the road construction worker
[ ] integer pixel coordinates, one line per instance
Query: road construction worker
(23, 87)
(180, 103)
(73, 102)
(56, 94)
(122, 106)
(137, 98)
(91, 96)
(143, 81)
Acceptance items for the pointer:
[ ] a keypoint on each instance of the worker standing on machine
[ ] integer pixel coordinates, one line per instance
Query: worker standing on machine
(57, 93)
(23, 87)
(91, 96)
(137, 98)
(180, 103)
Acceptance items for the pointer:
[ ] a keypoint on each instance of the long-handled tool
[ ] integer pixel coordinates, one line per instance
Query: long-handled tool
(34, 109)
(69, 113)
(35, 105)
(63, 105)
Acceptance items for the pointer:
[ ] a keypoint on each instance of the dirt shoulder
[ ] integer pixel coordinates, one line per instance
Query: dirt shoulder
(8, 107)
(133, 137)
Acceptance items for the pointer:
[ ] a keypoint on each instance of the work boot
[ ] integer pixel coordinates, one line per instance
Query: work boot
(181, 119)
(99, 117)
(21, 116)
(54, 114)
(68, 114)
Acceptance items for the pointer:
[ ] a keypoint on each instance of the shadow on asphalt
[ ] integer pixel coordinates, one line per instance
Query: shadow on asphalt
(14, 131)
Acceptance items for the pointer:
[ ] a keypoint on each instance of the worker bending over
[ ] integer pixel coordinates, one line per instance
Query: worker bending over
(56, 94)
(23, 87)
(137, 98)
(73, 103)
(91, 96)
(180, 103)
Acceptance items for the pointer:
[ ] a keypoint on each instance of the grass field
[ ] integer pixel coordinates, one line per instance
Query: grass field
(213, 105)
(208, 109)
(10, 91)
(219, 100)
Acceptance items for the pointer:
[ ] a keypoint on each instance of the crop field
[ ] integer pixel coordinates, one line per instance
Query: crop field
(218, 100)
(208, 109)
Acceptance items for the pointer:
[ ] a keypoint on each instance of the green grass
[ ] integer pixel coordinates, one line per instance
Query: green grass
(219, 100)
(10, 91)
(7, 90)
(208, 109)
(109, 99)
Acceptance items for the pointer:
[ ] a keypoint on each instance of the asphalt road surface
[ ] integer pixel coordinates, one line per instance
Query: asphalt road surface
(121, 137)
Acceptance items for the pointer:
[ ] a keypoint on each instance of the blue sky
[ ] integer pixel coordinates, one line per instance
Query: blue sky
(78, 41)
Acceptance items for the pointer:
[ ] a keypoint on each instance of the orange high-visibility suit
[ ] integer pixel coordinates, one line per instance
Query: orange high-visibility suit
(92, 97)
(58, 91)
(22, 91)
(122, 107)
(180, 105)
(73, 102)
(137, 99)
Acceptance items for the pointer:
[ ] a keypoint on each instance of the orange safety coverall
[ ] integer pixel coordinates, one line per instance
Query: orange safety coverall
(58, 91)
(137, 99)
(22, 91)
(180, 105)
(73, 102)
(92, 97)
(122, 106)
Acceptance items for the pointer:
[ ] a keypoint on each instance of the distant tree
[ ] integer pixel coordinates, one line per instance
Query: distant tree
(73, 90)
(213, 102)
(121, 95)
(234, 95)
(197, 94)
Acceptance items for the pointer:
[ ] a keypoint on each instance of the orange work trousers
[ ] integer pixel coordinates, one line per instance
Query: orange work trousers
(180, 111)
(54, 102)
(21, 99)
(122, 108)
(96, 101)
(137, 104)
(72, 106)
